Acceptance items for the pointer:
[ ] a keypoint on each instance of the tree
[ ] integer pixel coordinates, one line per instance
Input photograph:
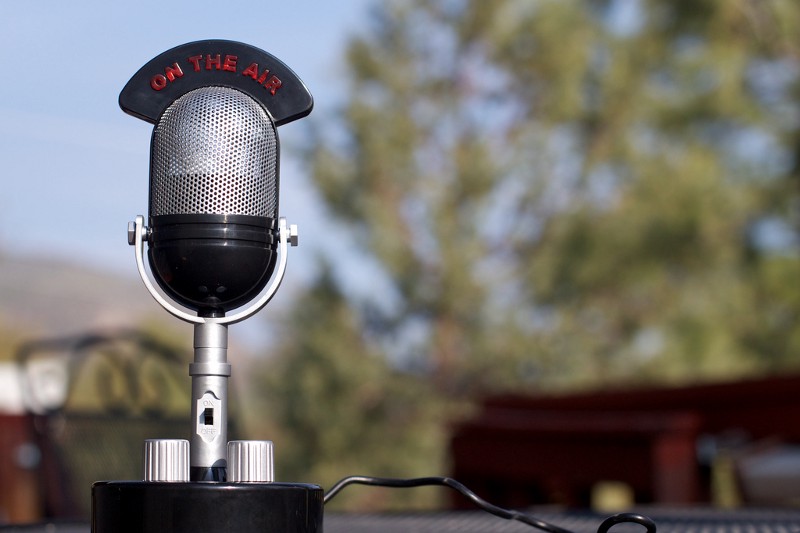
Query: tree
(570, 193)
(339, 409)
(558, 194)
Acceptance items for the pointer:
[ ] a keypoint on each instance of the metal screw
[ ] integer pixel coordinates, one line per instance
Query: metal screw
(131, 233)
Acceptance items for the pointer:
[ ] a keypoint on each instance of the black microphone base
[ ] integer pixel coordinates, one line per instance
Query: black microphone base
(200, 507)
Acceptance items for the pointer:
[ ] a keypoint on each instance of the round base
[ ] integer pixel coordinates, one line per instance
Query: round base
(200, 507)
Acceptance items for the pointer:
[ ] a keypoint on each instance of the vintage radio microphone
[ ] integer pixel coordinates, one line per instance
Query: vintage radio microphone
(214, 242)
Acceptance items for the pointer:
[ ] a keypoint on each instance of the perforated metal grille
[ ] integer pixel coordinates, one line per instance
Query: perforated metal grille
(214, 151)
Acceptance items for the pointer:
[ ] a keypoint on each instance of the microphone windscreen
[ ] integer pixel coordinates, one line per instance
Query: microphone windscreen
(214, 151)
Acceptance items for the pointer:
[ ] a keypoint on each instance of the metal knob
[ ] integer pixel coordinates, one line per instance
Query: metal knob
(250, 460)
(166, 460)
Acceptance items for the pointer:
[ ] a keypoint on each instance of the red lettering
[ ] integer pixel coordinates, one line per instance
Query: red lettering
(230, 63)
(273, 85)
(213, 61)
(195, 60)
(251, 70)
(173, 72)
(158, 82)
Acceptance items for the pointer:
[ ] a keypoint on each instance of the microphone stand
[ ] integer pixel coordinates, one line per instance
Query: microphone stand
(210, 372)
(230, 485)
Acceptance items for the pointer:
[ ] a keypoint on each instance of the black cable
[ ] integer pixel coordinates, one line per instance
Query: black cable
(611, 521)
(508, 514)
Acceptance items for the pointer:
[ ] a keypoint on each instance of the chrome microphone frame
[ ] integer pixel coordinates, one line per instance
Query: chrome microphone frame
(210, 369)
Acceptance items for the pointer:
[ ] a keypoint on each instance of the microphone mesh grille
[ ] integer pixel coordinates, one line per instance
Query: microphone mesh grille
(214, 151)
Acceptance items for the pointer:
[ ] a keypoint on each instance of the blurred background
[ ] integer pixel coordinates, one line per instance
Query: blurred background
(502, 205)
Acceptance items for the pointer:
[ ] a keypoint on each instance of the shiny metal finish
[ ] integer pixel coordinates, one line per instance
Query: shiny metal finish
(250, 460)
(210, 371)
(214, 151)
(166, 460)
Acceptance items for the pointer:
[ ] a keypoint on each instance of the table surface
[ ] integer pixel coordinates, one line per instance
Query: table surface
(667, 521)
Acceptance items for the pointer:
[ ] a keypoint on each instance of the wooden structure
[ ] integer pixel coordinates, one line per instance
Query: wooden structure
(520, 450)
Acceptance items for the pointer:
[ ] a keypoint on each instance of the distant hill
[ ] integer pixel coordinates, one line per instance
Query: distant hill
(44, 297)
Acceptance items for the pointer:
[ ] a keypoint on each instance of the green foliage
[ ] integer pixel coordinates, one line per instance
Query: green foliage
(341, 409)
(561, 194)
(543, 180)
(11, 339)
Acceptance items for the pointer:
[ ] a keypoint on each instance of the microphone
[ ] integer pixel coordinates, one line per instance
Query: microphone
(213, 199)
(215, 240)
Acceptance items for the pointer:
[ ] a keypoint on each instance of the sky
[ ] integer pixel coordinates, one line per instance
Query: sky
(75, 167)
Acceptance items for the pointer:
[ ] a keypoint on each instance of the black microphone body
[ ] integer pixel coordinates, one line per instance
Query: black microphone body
(211, 263)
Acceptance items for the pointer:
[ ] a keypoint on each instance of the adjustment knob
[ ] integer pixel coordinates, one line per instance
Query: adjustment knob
(166, 460)
(250, 460)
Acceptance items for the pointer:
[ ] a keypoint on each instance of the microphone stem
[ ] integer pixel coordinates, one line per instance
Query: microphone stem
(209, 371)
